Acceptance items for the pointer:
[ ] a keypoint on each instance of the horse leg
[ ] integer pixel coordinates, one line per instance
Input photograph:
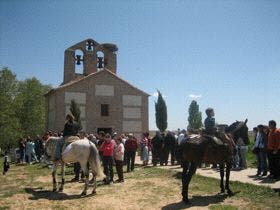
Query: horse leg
(222, 173)
(188, 172)
(86, 173)
(62, 177)
(184, 182)
(54, 176)
(93, 177)
(94, 184)
(227, 178)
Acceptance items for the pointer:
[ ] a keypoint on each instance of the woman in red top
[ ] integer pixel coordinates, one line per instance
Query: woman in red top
(107, 150)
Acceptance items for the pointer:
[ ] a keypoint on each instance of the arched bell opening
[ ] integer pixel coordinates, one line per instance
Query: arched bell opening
(79, 62)
(100, 60)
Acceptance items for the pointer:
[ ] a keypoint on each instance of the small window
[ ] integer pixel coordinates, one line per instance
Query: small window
(104, 109)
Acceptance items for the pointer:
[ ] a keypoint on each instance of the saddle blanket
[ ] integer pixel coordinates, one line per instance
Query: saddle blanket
(71, 139)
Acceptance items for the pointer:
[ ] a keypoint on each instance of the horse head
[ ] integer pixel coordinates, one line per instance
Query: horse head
(238, 130)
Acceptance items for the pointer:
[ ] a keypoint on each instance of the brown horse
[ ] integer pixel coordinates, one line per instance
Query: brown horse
(205, 148)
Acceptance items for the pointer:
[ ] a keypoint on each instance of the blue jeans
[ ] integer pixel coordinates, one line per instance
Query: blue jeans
(261, 161)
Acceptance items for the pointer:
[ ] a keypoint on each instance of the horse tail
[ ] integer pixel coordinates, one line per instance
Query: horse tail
(95, 161)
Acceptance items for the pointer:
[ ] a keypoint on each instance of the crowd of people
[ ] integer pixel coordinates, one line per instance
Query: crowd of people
(120, 149)
(267, 150)
(29, 149)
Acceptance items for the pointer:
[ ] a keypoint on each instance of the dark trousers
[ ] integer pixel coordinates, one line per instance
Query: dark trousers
(21, 151)
(274, 163)
(108, 168)
(77, 170)
(130, 160)
(170, 150)
(156, 154)
(119, 168)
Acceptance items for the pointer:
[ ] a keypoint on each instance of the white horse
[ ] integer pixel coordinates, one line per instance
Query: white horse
(82, 151)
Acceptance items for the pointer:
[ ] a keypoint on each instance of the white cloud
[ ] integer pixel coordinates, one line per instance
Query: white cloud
(195, 97)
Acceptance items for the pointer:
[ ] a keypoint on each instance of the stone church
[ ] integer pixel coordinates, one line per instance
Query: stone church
(106, 101)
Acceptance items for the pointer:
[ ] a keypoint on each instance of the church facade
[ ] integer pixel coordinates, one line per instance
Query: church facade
(106, 101)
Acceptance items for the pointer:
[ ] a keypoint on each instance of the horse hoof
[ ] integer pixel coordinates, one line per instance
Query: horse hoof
(230, 193)
(186, 201)
(83, 193)
(60, 190)
(222, 191)
(54, 190)
(93, 192)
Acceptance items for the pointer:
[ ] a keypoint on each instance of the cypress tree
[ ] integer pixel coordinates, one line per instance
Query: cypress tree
(76, 112)
(195, 118)
(161, 113)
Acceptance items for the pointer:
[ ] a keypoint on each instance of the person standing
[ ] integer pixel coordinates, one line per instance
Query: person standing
(273, 147)
(170, 144)
(30, 151)
(144, 143)
(39, 149)
(259, 147)
(118, 156)
(21, 145)
(157, 144)
(6, 164)
(100, 140)
(107, 150)
(124, 138)
(130, 148)
(77, 166)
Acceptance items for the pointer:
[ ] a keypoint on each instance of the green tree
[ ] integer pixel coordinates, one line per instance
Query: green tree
(9, 123)
(75, 110)
(195, 118)
(161, 113)
(30, 104)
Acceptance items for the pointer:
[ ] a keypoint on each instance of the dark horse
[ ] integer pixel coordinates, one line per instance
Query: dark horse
(204, 148)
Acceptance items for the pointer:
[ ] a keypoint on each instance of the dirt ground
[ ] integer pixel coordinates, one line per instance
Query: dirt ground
(145, 188)
(148, 193)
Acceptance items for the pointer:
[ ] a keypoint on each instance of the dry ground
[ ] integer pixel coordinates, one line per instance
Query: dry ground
(29, 187)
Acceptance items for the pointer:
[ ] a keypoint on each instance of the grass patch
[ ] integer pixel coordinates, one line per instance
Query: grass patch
(139, 184)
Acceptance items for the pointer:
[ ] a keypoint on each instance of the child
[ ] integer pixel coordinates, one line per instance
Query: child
(209, 123)
(6, 164)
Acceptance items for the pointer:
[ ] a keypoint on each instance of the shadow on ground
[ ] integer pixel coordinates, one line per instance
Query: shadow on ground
(198, 201)
(38, 193)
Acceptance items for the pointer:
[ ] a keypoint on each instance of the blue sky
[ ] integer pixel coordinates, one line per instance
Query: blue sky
(226, 52)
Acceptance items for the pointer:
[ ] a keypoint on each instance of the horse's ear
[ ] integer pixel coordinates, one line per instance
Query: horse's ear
(245, 121)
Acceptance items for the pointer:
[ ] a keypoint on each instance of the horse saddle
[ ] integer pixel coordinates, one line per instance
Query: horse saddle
(68, 140)
(217, 140)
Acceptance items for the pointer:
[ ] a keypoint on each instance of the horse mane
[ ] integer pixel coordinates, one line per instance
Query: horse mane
(233, 127)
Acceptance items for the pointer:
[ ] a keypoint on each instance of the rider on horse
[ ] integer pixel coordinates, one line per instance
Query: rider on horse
(211, 129)
(209, 122)
(70, 132)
